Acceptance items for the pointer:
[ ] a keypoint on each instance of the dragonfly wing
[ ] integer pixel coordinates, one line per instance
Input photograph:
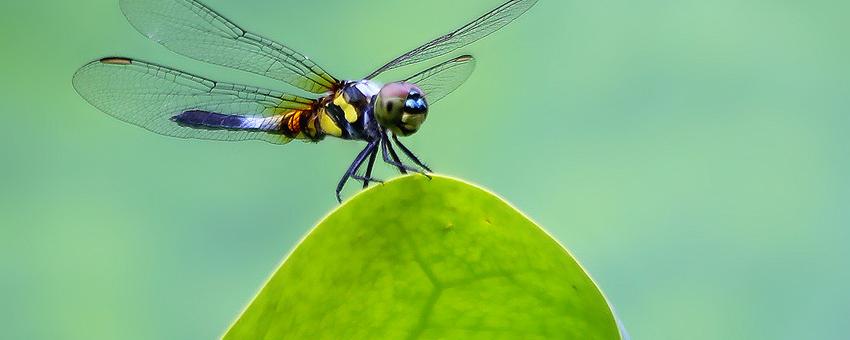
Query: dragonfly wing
(469, 33)
(173, 103)
(438, 81)
(191, 29)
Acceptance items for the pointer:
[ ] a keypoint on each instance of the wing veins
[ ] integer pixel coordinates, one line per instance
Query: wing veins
(485, 25)
(149, 96)
(443, 79)
(194, 30)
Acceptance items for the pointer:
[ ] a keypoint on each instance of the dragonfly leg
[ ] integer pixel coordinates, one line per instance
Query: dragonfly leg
(387, 147)
(368, 177)
(397, 161)
(361, 157)
(410, 153)
(367, 180)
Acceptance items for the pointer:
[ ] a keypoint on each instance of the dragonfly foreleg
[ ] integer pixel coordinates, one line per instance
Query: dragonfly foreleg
(397, 161)
(361, 157)
(410, 154)
(388, 150)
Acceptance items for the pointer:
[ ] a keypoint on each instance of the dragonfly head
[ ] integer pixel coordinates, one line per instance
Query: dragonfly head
(401, 107)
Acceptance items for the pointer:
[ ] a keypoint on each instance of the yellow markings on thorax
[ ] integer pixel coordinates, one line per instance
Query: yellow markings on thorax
(312, 129)
(350, 110)
(314, 125)
(328, 125)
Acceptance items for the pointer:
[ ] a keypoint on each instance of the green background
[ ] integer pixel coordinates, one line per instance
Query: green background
(693, 155)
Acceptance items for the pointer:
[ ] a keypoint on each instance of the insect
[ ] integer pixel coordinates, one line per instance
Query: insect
(179, 104)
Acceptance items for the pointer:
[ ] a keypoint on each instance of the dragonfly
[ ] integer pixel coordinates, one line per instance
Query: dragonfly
(179, 104)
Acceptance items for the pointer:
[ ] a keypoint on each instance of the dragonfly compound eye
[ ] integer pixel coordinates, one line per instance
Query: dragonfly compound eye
(401, 107)
(415, 104)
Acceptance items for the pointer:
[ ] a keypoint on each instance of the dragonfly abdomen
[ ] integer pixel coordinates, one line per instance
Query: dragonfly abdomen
(217, 121)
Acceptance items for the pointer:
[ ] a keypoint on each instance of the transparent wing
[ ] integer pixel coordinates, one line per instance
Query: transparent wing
(191, 29)
(150, 96)
(480, 28)
(438, 81)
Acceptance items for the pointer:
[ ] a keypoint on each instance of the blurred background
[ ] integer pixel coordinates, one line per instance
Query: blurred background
(692, 155)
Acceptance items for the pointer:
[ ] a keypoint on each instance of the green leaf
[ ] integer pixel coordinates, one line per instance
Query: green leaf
(419, 258)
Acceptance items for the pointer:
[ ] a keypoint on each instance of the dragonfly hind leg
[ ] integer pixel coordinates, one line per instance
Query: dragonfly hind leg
(352, 170)
(368, 176)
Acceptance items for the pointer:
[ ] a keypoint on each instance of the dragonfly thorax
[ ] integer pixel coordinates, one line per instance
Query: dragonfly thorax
(369, 88)
(401, 107)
